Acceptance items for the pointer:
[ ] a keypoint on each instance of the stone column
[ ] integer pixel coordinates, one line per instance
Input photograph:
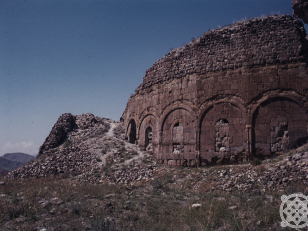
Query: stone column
(249, 139)
(197, 129)
(160, 133)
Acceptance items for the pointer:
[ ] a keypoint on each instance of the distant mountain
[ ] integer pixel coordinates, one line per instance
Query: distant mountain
(18, 157)
(9, 165)
(11, 161)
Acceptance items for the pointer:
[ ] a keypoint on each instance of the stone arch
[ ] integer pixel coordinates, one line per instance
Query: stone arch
(145, 116)
(148, 111)
(173, 117)
(208, 104)
(188, 106)
(131, 131)
(149, 121)
(263, 118)
(129, 118)
(292, 96)
(235, 115)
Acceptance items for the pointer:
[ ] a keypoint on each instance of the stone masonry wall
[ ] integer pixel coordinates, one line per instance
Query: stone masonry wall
(260, 41)
(236, 92)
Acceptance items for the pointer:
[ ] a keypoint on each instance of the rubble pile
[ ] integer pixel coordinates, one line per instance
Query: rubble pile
(136, 174)
(271, 176)
(88, 120)
(66, 149)
(120, 157)
(67, 160)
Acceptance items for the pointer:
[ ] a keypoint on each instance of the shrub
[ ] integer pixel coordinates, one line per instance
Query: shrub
(256, 161)
(157, 183)
(121, 150)
(76, 208)
(103, 224)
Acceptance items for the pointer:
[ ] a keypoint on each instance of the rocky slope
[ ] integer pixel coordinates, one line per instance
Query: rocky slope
(84, 145)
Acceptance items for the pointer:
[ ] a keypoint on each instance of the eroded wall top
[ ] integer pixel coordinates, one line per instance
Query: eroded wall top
(300, 9)
(259, 41)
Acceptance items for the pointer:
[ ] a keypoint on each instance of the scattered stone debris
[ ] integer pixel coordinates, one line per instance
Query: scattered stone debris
(270, 176)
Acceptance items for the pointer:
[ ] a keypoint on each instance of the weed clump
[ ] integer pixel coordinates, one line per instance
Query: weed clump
(256, 161)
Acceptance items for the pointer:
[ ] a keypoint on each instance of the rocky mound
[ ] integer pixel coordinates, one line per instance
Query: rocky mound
(59, 132)
(64, 150)
(90, 148)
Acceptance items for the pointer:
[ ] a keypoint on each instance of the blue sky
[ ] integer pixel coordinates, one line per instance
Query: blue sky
(80, 56)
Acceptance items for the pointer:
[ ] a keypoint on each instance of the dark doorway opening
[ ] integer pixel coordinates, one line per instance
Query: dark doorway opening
(132, 132)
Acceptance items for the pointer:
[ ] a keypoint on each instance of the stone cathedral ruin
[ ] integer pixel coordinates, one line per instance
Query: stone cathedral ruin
(236, 92)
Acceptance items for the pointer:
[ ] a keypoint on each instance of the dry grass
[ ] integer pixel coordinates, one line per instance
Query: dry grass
(58, 204)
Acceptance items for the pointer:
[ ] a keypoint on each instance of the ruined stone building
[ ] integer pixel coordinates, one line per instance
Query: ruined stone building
(236, 92)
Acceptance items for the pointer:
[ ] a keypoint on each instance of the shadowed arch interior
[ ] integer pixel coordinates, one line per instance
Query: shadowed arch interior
(132, 131)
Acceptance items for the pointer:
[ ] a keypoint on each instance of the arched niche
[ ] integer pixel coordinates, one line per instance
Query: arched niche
(178, 137)
(222, 132)
(148, 134)
(276, 120)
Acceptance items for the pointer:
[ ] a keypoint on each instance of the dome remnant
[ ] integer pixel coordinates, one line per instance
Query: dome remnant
(226, 96)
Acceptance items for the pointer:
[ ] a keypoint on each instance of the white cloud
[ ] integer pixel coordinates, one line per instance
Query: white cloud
(25, 147)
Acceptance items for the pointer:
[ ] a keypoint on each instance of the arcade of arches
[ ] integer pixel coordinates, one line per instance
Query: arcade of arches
(224, 134)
